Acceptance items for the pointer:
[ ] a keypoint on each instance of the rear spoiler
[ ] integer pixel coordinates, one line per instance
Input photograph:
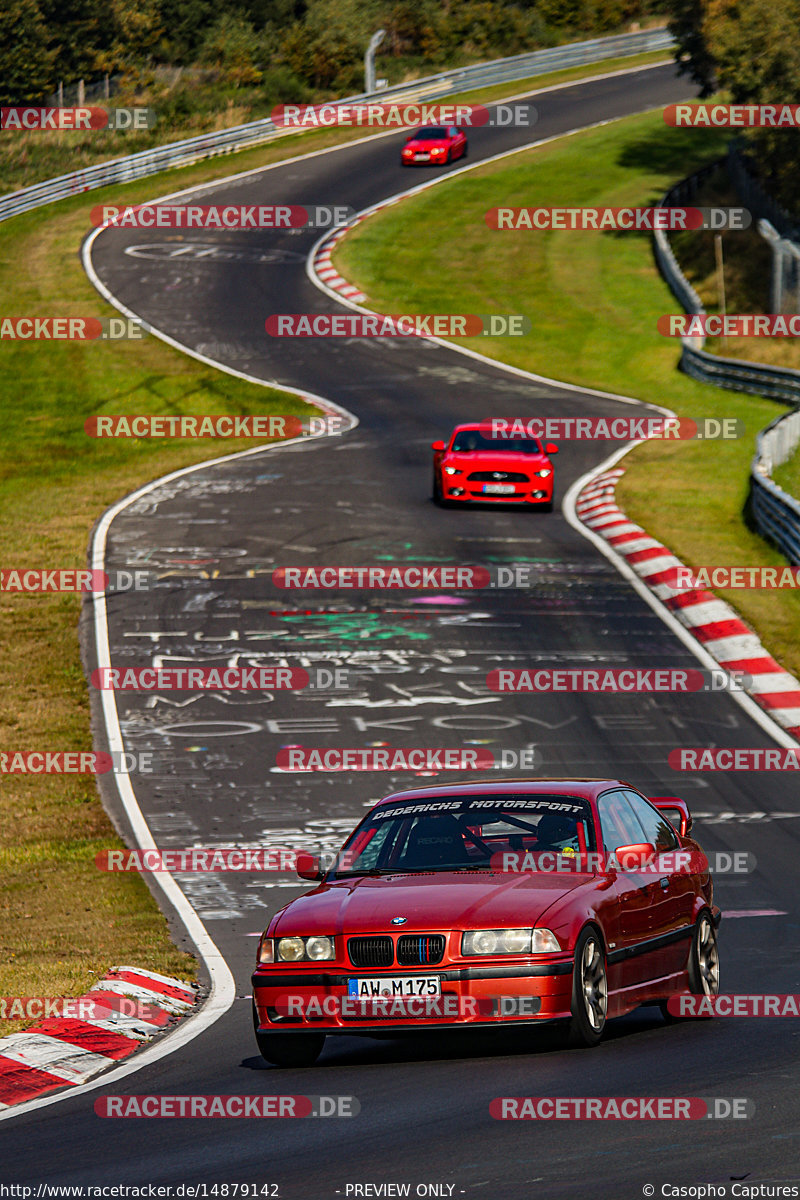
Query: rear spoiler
(676, 810)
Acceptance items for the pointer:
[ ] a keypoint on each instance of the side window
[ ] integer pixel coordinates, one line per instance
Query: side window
(367, 847)
(453, 131)
(617, 821)
(656, 827)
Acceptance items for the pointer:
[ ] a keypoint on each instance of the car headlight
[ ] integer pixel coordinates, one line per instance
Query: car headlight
(291, 949)
(543, 473)
(496, 941)
(508, 941)
(452, 471)
(297, 949)
(319, 947)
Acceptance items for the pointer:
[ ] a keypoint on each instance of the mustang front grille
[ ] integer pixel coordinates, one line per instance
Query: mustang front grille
(416, 951)
(370, 951)
(497, 477)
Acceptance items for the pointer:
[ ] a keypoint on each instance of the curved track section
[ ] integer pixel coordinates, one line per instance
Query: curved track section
(419, 663)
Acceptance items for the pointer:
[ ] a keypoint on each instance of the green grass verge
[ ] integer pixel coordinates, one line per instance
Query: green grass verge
(28, 158)
(65, 922)
(593, 300)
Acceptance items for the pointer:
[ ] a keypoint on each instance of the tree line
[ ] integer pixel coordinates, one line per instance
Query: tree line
(751, 51)
(296, 48)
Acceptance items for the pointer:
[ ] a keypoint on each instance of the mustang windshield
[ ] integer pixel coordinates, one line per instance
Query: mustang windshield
(470, 440)
(466, 833)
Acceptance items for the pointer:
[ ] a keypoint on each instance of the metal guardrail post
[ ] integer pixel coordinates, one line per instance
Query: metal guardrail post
(369, 61)
(776, 513)
(771, 235)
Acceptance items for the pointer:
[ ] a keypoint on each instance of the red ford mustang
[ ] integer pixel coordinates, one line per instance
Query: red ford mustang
(475, 466)
(484, 904)
(434, 144)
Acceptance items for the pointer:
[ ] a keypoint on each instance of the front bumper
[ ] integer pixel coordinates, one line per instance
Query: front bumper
(518, 498)
(534, 492)
(487, 997)
(439, 161)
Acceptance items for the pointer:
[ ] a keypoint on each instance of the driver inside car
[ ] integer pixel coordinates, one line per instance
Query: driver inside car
(557, 832)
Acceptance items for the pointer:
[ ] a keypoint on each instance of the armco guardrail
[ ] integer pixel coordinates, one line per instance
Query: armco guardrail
(181, 154)
(775, 512)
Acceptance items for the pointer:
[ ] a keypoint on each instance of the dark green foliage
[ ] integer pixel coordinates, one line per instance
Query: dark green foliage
(316, 46)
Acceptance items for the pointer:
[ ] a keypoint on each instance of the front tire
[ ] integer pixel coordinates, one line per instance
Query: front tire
(589, 991)
(438, 497)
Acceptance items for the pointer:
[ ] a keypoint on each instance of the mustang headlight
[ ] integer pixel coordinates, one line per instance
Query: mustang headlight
(508, 941)
(452, 471)
(297, 949)
(543, 474)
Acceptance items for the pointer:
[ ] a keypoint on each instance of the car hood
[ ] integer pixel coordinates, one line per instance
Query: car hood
(429, 902)
(426, 144)
(493, 460)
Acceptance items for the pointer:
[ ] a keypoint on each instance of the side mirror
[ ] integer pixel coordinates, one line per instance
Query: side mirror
(675, 810)
(308, 867)
(636, 856)
(437, 446)
(551, 448)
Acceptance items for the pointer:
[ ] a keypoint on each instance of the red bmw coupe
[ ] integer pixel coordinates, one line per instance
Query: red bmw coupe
(434, 144)
(474, 466)
(484, 904)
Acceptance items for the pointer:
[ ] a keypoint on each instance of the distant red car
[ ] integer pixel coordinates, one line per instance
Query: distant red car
(474, 466)
(479, 905)
(434, 144)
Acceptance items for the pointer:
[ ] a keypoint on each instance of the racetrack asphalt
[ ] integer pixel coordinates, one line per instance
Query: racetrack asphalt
(212, 539)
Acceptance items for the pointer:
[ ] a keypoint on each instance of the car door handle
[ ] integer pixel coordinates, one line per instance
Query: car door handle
(664, 882)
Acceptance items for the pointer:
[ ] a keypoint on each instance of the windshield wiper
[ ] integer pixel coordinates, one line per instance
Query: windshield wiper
(369, 871)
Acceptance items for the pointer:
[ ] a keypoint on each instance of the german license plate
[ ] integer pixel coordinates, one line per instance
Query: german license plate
(395, 985)
(498, 489)
(421, 157)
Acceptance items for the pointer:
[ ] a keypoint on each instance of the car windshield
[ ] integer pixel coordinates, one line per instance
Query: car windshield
(469, 440)
(434, 134)
(472, 833)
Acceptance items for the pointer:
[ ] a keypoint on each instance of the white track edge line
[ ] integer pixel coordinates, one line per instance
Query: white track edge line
(753, 710)
(475, 354)
(184, 1033)
(211, 185)
(223, 990)
(758, 714)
